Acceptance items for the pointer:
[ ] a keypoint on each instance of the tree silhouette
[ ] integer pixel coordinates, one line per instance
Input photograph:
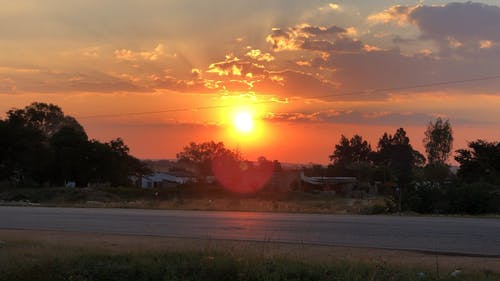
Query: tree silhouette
(481, 162)
(349, 151)
(438, 141)
(201, 155)
(69, 156)
(41, 145)
(24, 153)
(397, 156)
(48, 118)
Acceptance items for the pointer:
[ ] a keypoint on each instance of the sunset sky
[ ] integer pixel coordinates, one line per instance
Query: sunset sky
(160, 74)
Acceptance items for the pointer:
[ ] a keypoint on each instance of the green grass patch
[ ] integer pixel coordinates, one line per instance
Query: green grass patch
(32, 261)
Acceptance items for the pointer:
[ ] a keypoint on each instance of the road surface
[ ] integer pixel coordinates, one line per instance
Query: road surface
(466, 236)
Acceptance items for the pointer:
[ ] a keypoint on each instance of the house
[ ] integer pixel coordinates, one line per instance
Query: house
(327, 180)
(341, 185)
(165, 179)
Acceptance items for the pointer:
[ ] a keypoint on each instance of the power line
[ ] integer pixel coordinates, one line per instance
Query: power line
(417, 86)
(154, 112)
(344, 94)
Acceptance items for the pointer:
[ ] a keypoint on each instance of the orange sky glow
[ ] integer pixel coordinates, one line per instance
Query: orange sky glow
(161, 75)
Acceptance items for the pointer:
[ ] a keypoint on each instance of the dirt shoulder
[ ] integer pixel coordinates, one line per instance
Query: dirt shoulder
(111, 243)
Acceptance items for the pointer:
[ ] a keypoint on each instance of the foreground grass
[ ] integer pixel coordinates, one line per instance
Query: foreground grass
(34, 261)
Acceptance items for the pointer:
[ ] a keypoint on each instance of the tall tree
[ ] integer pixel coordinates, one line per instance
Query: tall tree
(69, 156)
(119, 164)
(200, 156)
(438, 141)
(350, 157)
(40, 144)
(349, 151)
(24, 154)
(397, 156)
(48, 118)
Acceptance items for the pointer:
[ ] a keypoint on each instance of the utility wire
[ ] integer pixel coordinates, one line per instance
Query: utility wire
(154, 112)
(417, 86)
(344, 94)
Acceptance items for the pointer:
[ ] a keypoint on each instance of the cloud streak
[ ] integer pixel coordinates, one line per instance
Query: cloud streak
(33, 80)
(358, 117)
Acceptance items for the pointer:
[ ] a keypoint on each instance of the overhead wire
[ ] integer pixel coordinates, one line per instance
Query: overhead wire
(343, 94)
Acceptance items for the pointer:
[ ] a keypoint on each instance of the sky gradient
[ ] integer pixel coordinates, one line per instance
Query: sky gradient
(160, 74)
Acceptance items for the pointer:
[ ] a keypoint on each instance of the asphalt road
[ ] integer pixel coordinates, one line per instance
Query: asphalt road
(466, 236)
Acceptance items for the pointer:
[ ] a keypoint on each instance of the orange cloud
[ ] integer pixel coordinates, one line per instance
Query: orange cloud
(355, 117)
(257, 54)
(303, 63)
(334, 6)
(485, 44)
(314, 38)
(398, 14)
(129, 55)
(233, 66)
(281, 40)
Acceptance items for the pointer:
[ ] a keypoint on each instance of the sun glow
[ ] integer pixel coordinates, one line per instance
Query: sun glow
(243, 122)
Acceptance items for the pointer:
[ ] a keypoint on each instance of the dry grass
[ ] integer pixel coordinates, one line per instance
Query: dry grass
(319, 206)
(39, 245)
(200, 199)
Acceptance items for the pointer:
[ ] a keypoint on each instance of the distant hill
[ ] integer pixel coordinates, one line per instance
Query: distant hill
(166, 165)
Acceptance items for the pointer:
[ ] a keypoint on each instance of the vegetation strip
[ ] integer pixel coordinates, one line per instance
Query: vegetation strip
(63, 263)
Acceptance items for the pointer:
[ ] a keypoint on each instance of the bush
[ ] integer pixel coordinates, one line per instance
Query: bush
(380, 209)
(425, 197)
(474, 198)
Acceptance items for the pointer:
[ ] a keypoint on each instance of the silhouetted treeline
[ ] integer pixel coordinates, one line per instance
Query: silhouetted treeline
(41, 146)
(414, 185)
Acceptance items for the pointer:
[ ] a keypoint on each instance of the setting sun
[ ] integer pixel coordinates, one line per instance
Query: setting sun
(243, 122)
(244, 127)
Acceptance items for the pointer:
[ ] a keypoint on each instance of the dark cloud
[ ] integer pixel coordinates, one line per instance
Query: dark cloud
(347, 45)
(400, 40)
(353, 117)
(318, 31)
(317, 45)
(369, 72)
(464, 22)
(180, 85)
(291, 83)
(457, 28)
(378, 69)
(342, 44)
(357, 117)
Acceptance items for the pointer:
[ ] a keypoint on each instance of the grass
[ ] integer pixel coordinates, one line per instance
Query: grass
(22, 260)
(189, 199)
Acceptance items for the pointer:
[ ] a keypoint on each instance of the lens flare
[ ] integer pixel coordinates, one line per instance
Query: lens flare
(241, 177)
